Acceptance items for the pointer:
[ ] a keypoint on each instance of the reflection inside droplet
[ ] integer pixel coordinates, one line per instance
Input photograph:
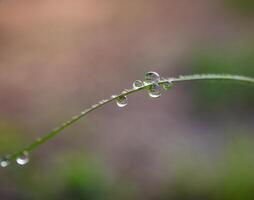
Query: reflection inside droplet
(122, 101)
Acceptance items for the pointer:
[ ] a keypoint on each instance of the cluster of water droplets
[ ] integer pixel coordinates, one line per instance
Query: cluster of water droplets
(21, 160)
(153, 83)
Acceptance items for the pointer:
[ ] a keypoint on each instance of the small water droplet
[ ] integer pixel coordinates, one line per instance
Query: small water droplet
(151, 77)
(122, 101)
(4, 163)
(154, 90)
(75, 117)
(167, 85)
(137, 84)
(113, 96)
(23, 159)
(103, 101)
(38, 139)
(125, 91)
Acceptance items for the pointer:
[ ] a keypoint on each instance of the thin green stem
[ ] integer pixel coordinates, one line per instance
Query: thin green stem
(85, 112)
(229, 77)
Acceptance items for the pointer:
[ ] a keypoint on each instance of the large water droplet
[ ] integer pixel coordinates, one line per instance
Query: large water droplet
(167, 85)
(151, 77)
(122, 101)
(23, 159)
(154, 90)
(137, 84)
(4, 163)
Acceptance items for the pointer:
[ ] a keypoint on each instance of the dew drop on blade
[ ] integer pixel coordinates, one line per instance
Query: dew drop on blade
(23, 159)
(125, 91)
(167, 85)
(4, 163)
(122, 101)
(154, 90)
(137, 84)
(113, 96)
(151, 77)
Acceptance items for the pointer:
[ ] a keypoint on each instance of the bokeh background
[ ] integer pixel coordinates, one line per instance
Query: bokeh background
(58, 57)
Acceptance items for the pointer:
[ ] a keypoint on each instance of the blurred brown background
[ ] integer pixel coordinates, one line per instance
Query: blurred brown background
(59, 57)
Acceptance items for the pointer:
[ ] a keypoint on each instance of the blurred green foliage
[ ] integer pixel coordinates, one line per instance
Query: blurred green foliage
(223, 96)
(232, 178)
(79, 176)
(12, 136)
(237, 174)
(72, 177)
(243, 6)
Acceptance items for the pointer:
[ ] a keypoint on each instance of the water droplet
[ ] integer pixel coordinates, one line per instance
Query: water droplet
(113, 96)
(125, 91)
(122, 101)
(23, 159)
(38, 139)
(75, 117)
(167, 85)
(4, 163)
(151, 77)
(137, 84)
(154, 90)
(103, 101)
